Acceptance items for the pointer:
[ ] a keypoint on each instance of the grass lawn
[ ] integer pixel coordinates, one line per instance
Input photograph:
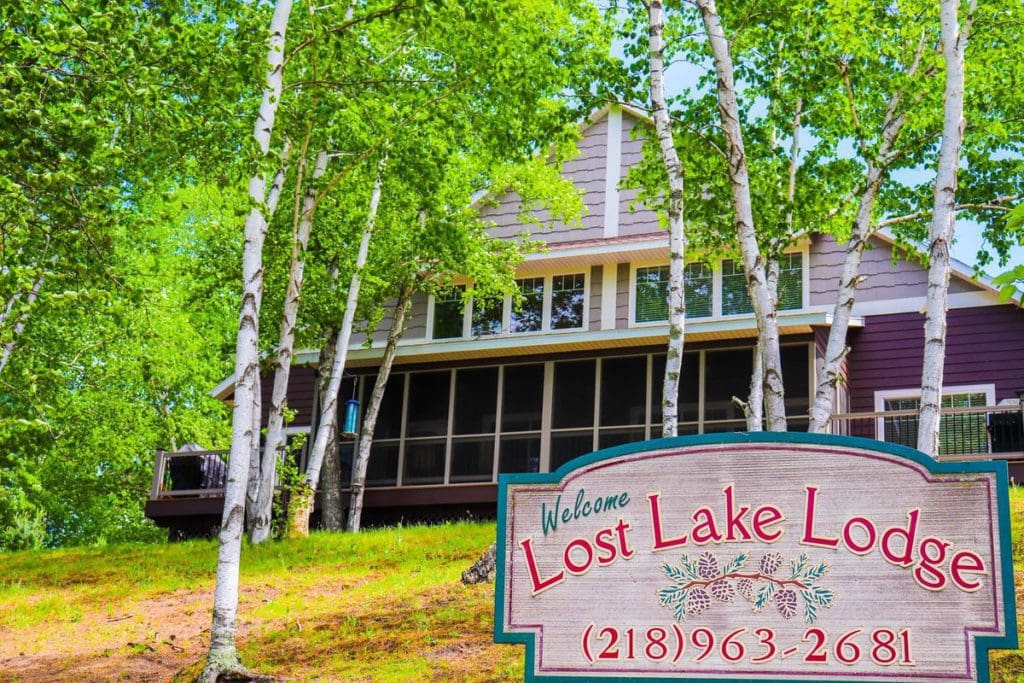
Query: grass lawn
(379, 606)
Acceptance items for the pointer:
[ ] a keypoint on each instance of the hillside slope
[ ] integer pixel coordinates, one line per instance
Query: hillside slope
(382, 605)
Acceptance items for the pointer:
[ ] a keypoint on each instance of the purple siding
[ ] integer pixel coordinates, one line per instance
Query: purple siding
(984, 345)
(301, 388)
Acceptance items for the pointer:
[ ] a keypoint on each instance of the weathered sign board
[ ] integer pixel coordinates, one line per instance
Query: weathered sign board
(789, 557)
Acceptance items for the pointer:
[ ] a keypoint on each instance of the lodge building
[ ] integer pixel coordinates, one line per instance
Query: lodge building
(484, 388)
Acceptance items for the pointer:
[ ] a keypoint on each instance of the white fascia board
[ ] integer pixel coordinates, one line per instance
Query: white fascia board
(914, 304)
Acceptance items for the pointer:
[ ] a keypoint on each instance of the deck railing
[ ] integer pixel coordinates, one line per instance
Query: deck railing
(189, 474)
(977, 433)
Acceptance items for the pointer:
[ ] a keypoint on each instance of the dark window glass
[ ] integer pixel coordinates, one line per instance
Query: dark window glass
(651, 294)
(528, 317)
(720, 427)
(791, 284)
(389, 417)
(472, 460)
(689, 389)
(734, 289)
(486, 318)
(382, 468)
(476, 400)
(623, 391)
(795, 373)
(424, 462)
(574, 394)
(698, 280)
(568, 445)
(520, 453)
(606, 438)
(567, 301)
(727, 375)
(522, 398)
(428, 404)
(448, 309)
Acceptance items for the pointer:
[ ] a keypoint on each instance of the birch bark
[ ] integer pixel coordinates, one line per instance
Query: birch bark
(954, 43)
(362, 459)
(676, 228)
(846, 294)
(19, 326)
(274, 443)
(329, 406)
(753, 262)
(222, 657)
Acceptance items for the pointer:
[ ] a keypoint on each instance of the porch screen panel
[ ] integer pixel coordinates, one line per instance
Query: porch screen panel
(519, 453)
(424, 462)
(623, 391)
(726, 374)
(568, 445)
(389, 416)
(689, 393)
(428, 404)
(382, 469)
(476, 400)
(472, 459)
(574, 394)
(528, 316)
(522, 398)
(795, 372)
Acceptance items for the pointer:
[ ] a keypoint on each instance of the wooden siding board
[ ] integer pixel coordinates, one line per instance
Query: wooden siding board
(301, 387)
(596, 277)
(640, 219)
(622, 296)
(587, 171)
(985, 345)
(885, 280)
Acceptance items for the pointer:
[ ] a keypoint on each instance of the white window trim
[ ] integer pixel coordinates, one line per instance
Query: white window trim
(915, 392)
(506, 314)
(716, 288)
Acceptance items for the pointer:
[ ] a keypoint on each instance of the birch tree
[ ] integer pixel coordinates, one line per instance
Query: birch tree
(676, 228)
(954, 45)
(754, 263)
(222, 658)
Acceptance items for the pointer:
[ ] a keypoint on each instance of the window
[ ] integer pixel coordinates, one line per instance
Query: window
(486, 319)
(528, 316)
(958, 433)
(449, 313)
(567, 301)
(791, 282)
(652, 285)
(522, 406)
(735, 299)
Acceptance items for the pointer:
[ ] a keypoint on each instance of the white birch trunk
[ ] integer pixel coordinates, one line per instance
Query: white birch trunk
(223, 656)
(274, 443)
(329, 406)
(19, 326)
(753, 262)
(362, 459)
(846, 294)
(676, 229)
(941, 231)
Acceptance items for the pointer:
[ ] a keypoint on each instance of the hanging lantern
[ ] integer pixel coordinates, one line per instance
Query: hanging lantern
(351, 425)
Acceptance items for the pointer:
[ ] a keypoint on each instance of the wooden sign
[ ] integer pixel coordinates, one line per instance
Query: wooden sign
(767, 556)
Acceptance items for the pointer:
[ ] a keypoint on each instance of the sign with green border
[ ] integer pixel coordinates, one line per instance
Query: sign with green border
(756, 556)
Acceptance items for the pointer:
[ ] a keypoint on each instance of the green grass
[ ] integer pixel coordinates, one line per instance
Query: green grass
(378, 606)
